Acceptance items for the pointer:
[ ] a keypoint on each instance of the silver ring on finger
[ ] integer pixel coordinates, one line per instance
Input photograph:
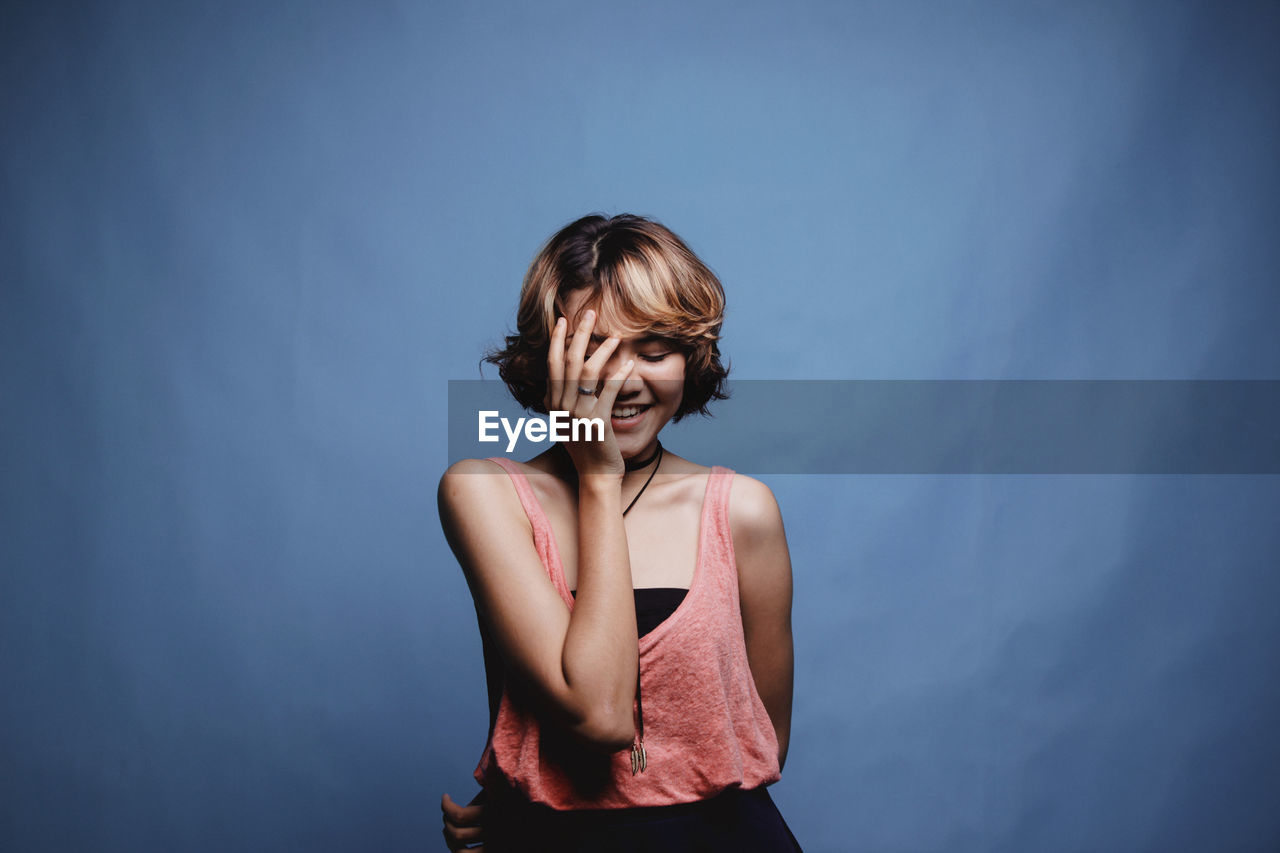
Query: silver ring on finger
(586, 392)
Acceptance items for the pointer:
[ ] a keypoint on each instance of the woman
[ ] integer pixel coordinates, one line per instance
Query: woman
(635, 607)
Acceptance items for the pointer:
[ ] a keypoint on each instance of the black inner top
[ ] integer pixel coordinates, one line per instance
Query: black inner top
(653, 606)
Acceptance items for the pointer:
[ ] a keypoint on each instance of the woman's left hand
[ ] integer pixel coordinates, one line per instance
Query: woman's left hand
(463, 825)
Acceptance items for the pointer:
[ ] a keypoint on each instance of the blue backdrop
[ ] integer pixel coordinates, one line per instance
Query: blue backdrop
(243, 247)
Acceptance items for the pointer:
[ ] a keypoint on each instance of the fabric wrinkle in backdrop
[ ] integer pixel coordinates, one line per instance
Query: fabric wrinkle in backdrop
(244, 247)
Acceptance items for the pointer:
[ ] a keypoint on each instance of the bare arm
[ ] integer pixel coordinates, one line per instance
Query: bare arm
(576, 662)
(582, 663)
(764, 584)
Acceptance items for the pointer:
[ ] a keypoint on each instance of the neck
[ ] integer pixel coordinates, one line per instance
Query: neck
(638, 467)
(644, 458)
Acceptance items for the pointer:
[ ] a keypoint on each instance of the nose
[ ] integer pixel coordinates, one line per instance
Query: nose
(633, 384)
(631, 387)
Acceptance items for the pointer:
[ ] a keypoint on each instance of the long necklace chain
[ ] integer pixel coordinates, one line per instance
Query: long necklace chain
(639, 761)
(658, 455)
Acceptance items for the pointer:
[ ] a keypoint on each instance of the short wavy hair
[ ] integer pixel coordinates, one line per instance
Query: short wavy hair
(642, 279)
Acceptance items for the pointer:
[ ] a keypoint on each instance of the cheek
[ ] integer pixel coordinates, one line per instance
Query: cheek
(672, 382)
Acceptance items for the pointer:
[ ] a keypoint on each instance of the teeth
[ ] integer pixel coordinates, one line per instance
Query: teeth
(628, 412)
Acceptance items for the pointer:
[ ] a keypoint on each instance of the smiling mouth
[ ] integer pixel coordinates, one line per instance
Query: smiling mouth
(623, 413)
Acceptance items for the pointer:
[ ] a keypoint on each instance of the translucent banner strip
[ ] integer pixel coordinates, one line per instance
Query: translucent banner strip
(942, 426)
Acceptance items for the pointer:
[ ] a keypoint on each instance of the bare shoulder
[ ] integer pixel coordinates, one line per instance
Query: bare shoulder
(470, 477)
(753, 510)
(472, 466)
(470, 487)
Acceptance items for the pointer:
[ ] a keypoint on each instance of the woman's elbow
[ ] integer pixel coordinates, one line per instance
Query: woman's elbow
(606, 731)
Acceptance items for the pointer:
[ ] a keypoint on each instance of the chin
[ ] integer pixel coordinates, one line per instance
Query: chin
(633, 449)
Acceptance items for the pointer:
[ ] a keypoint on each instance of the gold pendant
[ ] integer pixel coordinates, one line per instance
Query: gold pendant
(639, 761)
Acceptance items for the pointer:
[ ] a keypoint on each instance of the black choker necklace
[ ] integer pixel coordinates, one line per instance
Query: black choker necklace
(634, 465)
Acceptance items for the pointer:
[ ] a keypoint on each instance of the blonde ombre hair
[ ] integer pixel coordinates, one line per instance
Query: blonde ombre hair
(642, 279)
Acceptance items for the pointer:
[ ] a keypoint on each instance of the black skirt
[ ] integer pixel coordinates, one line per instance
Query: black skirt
(736, 820)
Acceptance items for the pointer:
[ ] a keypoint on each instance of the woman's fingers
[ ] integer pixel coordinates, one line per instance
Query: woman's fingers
(459, 838)
(555, 364)
(463, 825)
(460, 815)
(590, 376)
(613, 386)
(577, 354)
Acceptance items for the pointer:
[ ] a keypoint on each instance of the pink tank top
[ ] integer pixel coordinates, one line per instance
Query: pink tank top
(705, 727)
